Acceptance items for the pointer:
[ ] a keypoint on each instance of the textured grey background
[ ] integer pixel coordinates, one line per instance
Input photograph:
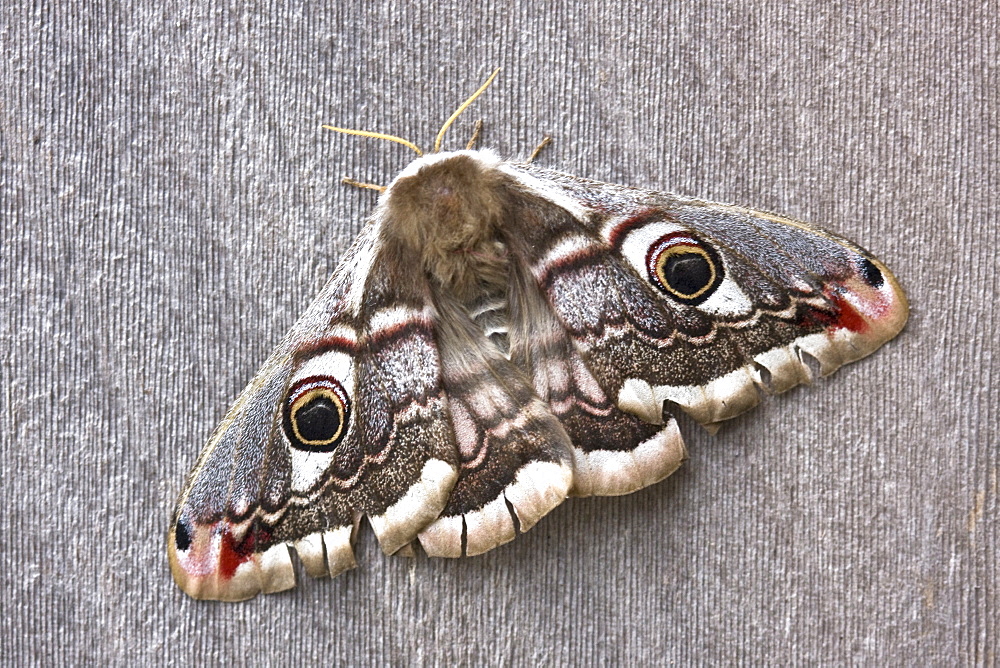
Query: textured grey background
(169, 205)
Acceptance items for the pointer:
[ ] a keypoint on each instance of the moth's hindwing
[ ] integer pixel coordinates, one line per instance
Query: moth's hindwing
(500, 337)
(513, 452)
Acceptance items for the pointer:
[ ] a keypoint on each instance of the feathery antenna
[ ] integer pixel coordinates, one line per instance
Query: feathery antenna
(376, 135)
(410, 145)
(461, 108)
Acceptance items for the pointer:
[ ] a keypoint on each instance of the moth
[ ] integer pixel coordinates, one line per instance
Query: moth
(501, 336)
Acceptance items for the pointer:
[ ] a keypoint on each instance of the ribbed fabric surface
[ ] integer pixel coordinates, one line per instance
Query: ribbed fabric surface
(169, 204)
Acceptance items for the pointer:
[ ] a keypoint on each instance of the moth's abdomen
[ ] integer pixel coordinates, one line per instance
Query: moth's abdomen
(492, 315)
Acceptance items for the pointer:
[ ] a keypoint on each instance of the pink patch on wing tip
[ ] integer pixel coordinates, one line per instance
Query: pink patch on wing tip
(843, 315)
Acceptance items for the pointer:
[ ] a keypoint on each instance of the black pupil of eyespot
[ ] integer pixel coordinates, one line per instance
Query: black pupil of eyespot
(687, 273)
(871, 273)
(319, 420)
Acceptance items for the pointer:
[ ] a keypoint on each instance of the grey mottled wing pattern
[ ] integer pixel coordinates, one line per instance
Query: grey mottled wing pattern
(783, 291)
(614, 452)
(365, 354)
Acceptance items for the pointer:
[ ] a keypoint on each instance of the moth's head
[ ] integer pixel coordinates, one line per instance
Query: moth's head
(454, 199)
(448, 208)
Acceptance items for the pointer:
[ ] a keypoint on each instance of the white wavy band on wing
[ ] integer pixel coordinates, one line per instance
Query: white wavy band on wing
(737, 391)
(614, 472)
(327, 552)
(276, 570)
(537, 489)
(418, 507)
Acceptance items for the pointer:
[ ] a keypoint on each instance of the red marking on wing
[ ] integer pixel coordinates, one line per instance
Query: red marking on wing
(233, 553)
(621, 230)
(578, 258)
(326, 343)
(848, 317)
(843, 315)
(416, 325)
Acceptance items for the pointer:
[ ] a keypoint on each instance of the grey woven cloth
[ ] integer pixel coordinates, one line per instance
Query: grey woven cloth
(169, 203)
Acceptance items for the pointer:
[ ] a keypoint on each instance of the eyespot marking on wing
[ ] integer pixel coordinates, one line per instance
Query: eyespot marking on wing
(683, 267)
(316, 414)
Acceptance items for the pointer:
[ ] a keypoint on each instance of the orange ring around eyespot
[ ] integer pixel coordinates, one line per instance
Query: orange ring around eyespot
(308, 391)
(684, 249)
(307, 398)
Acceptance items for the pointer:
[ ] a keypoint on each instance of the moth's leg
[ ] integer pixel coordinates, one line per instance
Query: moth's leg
(475, 135)
(348, 181)
(538, 149)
